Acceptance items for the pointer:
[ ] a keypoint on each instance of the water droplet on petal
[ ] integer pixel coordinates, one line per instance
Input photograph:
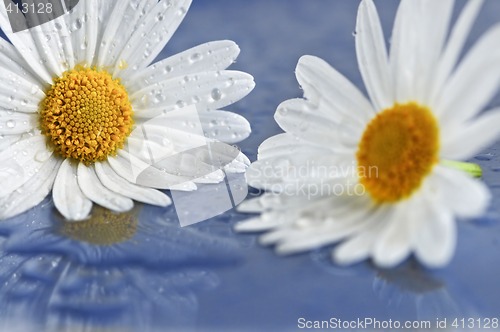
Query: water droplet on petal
(77, 24)
(216, 94)
(195, 57)
(168, 69)
(11, 124)
(181, 11)
(42, 156)
(180, 104)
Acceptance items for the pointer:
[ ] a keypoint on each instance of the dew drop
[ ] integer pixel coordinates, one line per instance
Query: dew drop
(216, 94)
(77, 24)
(181, 11)
(180, 104)
(11, 124)
(42, 156)
(195, 57)
(283, 111)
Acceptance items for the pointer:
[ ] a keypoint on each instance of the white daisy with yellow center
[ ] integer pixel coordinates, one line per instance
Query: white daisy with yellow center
(80, 103)
(375, 174)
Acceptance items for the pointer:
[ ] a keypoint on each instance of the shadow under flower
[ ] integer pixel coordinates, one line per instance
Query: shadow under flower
(419, 287)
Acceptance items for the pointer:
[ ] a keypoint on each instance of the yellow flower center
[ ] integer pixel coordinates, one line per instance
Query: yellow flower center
(104, 227)
(86, 115)
(397, 151)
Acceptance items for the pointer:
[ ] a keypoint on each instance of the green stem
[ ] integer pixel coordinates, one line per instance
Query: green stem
(471, 168)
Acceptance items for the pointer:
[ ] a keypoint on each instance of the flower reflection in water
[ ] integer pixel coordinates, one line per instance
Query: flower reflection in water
(137, 270)
(411, 284)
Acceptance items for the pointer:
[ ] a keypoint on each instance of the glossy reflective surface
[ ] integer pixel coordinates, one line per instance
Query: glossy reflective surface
(206, 277)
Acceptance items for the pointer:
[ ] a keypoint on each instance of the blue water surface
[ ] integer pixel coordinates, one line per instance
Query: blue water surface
(205, 277)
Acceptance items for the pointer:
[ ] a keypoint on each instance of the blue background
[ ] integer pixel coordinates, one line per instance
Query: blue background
(205, 276)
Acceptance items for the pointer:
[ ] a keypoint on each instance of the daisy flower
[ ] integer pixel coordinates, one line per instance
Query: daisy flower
(81, 106)
(379, 175)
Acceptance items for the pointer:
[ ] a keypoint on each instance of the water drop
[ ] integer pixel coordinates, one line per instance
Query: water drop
(283, 111)
(168, 69)
(77, 24)
(11, 124)
(180, 104)
(42, 156)
(159, 17)
(58, 26)
(195, 57)
(216, 94)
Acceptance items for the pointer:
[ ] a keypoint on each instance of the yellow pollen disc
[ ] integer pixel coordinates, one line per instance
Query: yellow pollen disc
(104, 227)
(397, 151)
(86, 115)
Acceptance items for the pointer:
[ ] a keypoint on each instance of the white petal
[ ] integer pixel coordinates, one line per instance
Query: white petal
(84, 39)
(68, 197)
(32, 192)
(328, 232)
(151, 35)
(93, 188)
(116, 31)
(20, 90)
(471, 138)
(394, 242)
(403, 44)
(116, 183)
(136, 171)
(454, 46)
(11, 60)
(207, 90)
(465, 196)
(285, 144)
(372, 56)
(462, 100)
(324, 85)
(225, 126)
(436, 237)
(21, 161)
(359, 246)
(15, 123)
(8, 140)
(27, 47)
(300, 118)
(212, 56)
(256, 224)
(418, 36)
